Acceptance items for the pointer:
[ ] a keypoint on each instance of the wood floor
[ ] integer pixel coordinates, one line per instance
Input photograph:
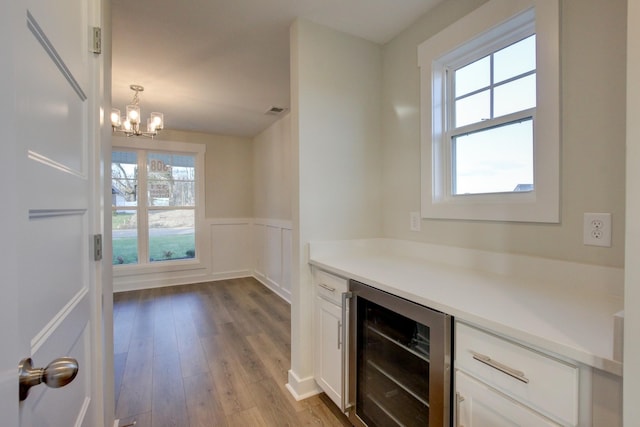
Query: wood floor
(212, 354)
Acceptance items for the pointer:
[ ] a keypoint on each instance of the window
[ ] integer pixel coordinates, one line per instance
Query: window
(155, 205)
(490, 139)
(490, 130)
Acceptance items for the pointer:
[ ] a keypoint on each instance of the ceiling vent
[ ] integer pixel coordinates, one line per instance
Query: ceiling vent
(274, 111)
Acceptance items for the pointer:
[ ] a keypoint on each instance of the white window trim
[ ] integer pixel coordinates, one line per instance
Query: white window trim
(540, 205)
(200, 261)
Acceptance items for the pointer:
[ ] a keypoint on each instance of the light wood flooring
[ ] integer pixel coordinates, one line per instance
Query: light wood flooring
(211, 354)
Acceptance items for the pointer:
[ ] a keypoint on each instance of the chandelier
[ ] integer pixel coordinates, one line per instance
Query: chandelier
(129, 124)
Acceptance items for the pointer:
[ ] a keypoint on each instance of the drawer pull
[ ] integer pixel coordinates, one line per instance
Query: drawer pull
(329, 288)
(519, 375)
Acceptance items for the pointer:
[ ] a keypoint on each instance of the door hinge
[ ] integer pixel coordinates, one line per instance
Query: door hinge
(97, 247)
(96, 45)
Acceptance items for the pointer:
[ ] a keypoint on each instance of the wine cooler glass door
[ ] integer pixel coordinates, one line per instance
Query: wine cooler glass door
(398, 373)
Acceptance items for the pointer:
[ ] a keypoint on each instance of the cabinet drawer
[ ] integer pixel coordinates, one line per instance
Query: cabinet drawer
(545, 384)
(330, 286)
(478, 405)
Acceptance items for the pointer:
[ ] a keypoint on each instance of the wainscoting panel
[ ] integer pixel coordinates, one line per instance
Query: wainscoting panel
(231, 248)
(273, 255)
(259, 251)
(287, 260)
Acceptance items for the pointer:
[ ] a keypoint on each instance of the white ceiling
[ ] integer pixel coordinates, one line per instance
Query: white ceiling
(217, 66)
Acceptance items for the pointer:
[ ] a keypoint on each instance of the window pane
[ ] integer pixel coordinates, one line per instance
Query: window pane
(124, 178)
(514, 60)
(171, 179)
(472, 77)
(124, 236)
(495, 160)
(515, 96)
(171, 234)
(473, 109)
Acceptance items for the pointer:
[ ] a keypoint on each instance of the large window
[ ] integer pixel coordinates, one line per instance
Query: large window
(490, 115)
(154, 206)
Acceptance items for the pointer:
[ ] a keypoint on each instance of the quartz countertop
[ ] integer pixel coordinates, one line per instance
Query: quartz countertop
(563, 308)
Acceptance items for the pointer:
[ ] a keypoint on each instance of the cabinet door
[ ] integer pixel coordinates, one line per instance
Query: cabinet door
(478, 405)
(328, 348)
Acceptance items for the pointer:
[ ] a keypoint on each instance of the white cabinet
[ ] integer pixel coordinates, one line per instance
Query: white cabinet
(329, 351)
(479, 405)
(525, 383)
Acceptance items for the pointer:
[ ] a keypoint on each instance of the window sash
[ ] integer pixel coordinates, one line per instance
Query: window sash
(491, 123)
(451, 131)
(143, 208)
(451, 65)
(453, 147)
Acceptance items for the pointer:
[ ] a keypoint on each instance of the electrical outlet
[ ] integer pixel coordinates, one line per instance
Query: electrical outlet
(597, 229)
(414, 221)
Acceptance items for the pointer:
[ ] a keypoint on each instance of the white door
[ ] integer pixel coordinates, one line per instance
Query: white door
(48, 135)
(328, 353)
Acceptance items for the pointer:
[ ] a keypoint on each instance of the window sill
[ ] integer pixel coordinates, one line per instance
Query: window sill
(126, 270)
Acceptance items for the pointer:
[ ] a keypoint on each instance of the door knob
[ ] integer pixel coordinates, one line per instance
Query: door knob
(58, 373)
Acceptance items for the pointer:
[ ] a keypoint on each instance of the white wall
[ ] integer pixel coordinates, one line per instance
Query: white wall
(592, 138)
(272, 231)
(228, 172)
(272, 171)
(335, 113)
(632, 270)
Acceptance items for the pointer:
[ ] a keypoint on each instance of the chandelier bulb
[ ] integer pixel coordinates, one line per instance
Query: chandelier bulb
(115, 117)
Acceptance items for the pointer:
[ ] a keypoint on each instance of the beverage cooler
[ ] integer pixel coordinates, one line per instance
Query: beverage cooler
(399, 361)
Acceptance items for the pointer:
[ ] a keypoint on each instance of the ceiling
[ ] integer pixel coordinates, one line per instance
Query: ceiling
(217, 66)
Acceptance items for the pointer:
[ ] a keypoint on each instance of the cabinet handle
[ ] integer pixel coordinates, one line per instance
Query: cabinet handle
(343, 355)
(519, 375)
(329, 288)
(339, 334)
(459, 400)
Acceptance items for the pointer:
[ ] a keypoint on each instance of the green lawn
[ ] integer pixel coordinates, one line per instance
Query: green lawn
(125, 249)
(121, 221)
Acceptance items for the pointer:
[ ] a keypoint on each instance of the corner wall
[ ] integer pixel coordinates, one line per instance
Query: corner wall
(272, 233)
(335, 120)
(272, 171)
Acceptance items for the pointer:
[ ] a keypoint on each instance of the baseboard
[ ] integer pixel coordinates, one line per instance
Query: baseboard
(302, 389)
(187, 280)
(271, 285)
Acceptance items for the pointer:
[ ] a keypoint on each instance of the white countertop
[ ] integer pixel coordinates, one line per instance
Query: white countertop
(559, 307)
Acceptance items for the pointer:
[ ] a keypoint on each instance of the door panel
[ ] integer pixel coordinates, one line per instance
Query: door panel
(53, 105)
(70, 39)
(70, 338)
(52, 89)
(57, 241)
